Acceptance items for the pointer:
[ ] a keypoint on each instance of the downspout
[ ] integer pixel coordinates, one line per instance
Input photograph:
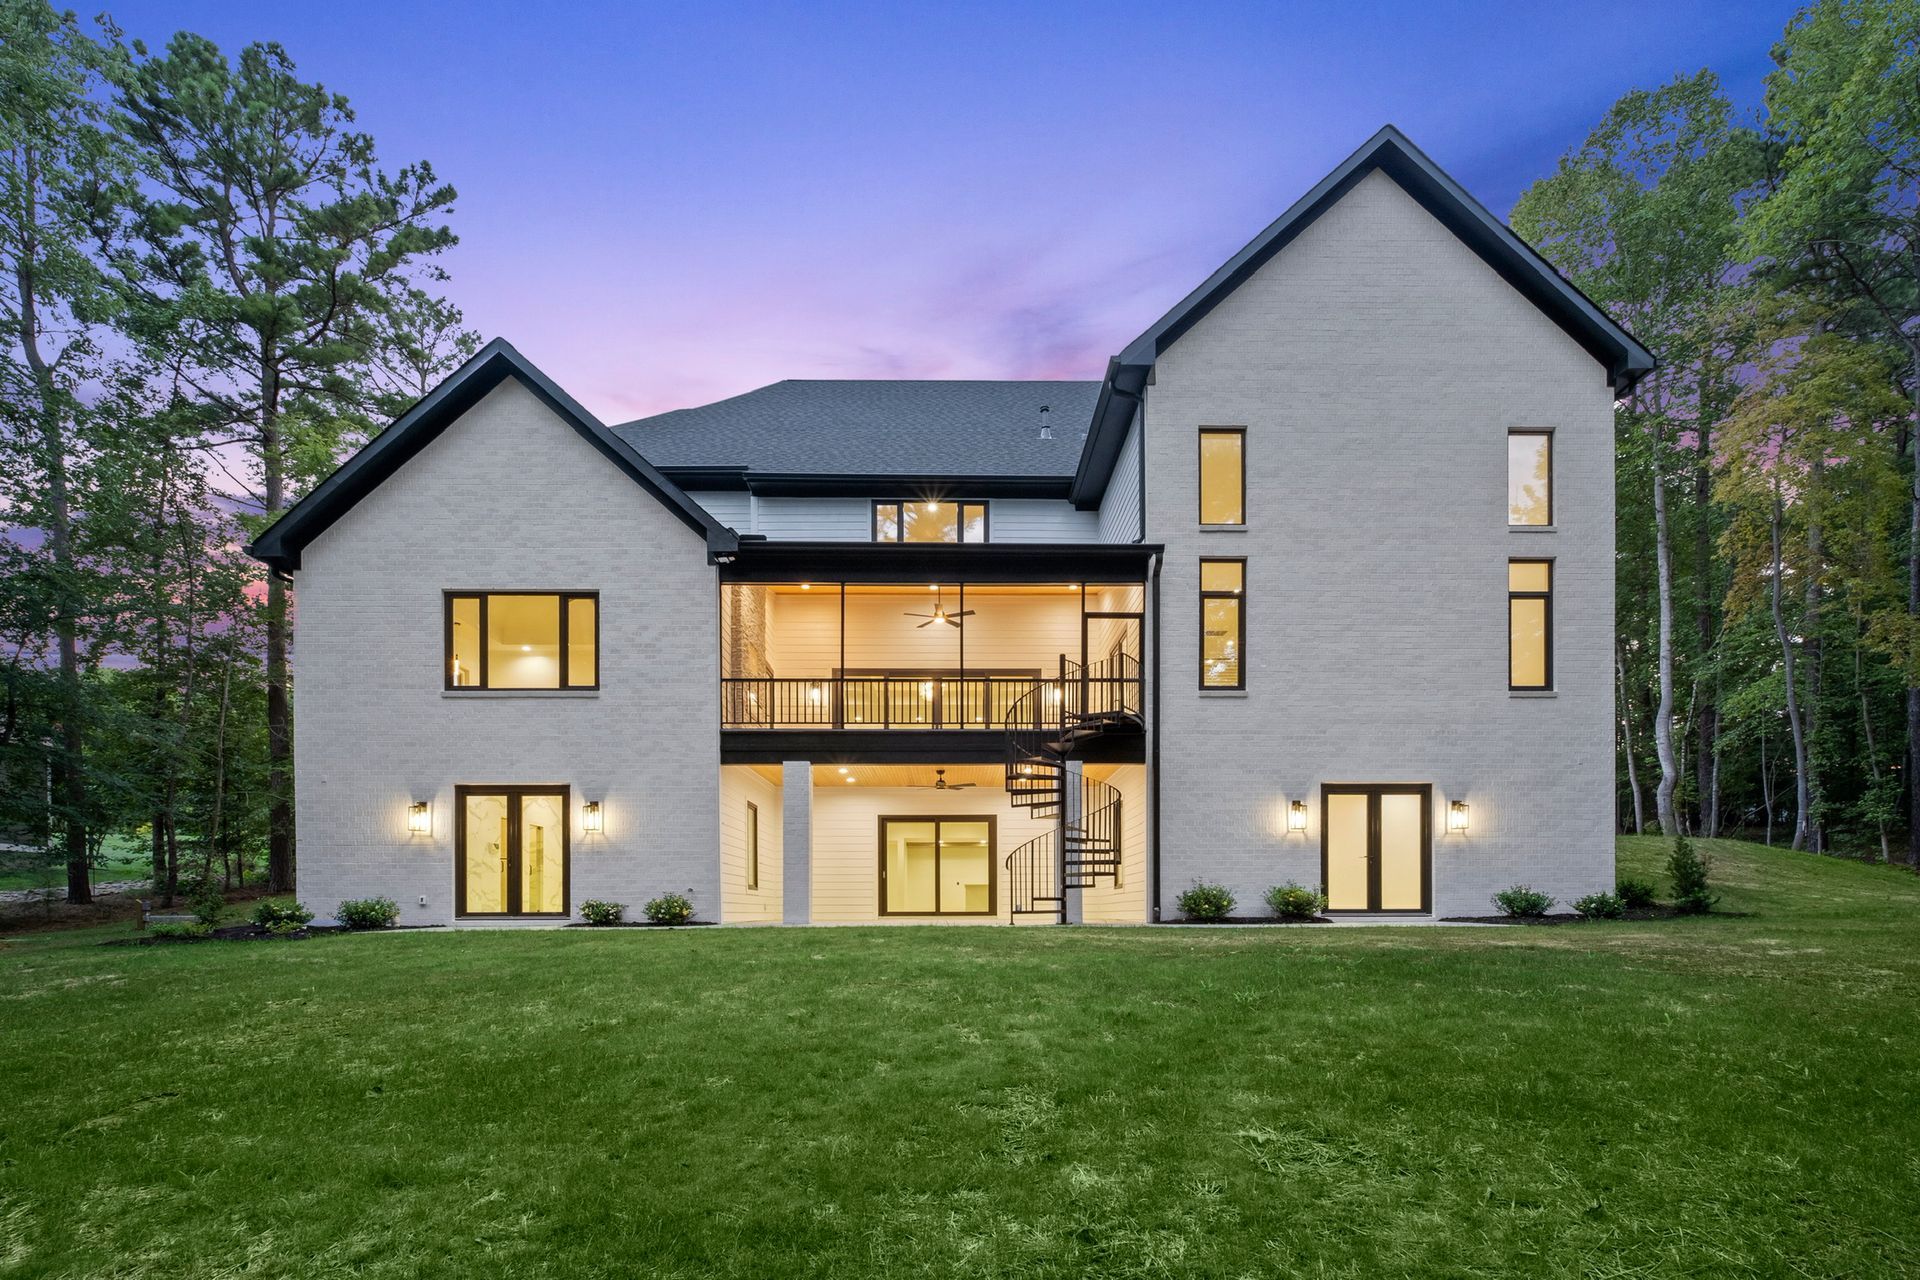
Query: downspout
(1153, 751)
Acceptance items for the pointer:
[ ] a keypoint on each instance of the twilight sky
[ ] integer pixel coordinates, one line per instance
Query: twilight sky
(662, 205)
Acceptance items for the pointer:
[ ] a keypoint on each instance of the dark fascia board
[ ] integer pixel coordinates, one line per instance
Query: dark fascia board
(863, 746)
(1113, 413)
(869, 562)
(280, 545)
(1392, 152)
(866, 485)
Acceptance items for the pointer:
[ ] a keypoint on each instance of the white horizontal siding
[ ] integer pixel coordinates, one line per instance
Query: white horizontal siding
(1040, 520)
(1006, 633)
(1125, 902)
(740, 786)
(731, 507)
(813, 519)
(851, 519)
(846, 844)
(1120, 509)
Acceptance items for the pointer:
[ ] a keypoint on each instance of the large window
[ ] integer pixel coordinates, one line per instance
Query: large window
(936, 867)
(1223, 624)
(753, 845)
(523, 640)
(1529, 478)
(931, 521)
(1530, 624)
(1223, 475)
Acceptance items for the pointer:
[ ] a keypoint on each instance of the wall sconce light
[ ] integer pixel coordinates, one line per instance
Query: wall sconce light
(420, 818)
(590, 817)
(1297, 816)
(1457, 818)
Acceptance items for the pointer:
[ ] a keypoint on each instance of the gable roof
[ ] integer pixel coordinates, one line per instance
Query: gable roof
(1393, 153)
(904, 428)
(280, 545)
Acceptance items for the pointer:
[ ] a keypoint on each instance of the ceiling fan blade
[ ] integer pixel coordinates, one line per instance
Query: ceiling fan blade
(952, 619)
(961, 786)
(929, 622)
(964, 613)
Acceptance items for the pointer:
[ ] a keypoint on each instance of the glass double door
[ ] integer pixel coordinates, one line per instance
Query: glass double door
(513, 851)
(1376, 843)
(937, 866)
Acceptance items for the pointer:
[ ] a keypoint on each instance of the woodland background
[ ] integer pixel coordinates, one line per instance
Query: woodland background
(212, 290)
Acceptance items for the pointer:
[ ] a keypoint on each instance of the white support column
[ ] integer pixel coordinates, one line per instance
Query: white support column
(796, 834)
(1072, 810)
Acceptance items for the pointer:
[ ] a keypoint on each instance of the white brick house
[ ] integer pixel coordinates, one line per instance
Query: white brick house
(1316, 585)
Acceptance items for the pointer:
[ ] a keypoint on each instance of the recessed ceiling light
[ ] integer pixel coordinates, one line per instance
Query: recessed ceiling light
(526, 648)
(843, 772)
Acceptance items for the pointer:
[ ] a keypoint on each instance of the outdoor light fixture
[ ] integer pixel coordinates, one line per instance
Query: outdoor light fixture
(1297, 816)
(1457, 818)
(419, 818)
(590, 817)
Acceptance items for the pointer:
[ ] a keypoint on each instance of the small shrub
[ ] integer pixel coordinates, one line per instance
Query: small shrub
(1522, 900)
(1205, 901)
(1293, 902)
(196, 930)
(1688, 869)
(1600, 906)
(670, 908)
(596, 912)
(1635, 895)
(206, 903)
(368, 913)
(282, 915)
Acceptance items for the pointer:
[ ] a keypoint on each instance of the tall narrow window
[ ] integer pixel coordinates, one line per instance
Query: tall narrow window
(1223, 475)
(753, 845)
(931, 521)
(1530, 624)
(1223, 624)
(522, 640)
(1529, 478)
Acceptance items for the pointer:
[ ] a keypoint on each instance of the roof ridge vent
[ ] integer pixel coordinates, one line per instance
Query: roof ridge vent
(1046, 424)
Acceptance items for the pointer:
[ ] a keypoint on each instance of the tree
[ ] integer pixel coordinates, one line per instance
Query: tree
(279, 263)
(1842, 216)
(60, 176)
(1644, 218)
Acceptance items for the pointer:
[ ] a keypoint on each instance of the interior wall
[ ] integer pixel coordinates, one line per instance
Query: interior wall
(1007, 633)
(741, 785)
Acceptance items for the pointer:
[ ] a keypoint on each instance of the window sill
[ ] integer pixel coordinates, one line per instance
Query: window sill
(482, 694)
(1222, 693)
(1533, 693)
(1221, 528)
(1531, 528)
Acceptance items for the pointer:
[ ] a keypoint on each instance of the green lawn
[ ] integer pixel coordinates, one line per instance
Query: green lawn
(1711, 1097)
(121, 859)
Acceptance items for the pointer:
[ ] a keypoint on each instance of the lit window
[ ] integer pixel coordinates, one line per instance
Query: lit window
(753, 845)
(932, 521)
(1530, 624)
(1223, 624)
(1529, 478)
(523, 640)
(1223, 475)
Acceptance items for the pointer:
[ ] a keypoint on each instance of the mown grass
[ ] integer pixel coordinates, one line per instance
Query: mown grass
(1713, 1097)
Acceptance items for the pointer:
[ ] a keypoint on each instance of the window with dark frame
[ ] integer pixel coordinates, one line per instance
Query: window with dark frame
(1529, 479)
(941, 865)
(1529, 624)
(753, 845)
(1223, 623)
(522, 640)
(1223, 476)
(934, 520)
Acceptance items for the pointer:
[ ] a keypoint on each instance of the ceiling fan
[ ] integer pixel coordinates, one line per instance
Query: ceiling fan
(940, 783)
(940, 614)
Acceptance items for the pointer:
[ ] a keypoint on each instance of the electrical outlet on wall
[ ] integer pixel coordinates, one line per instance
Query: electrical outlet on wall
(423, 899)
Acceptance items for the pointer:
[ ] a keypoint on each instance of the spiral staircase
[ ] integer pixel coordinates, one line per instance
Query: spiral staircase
(1047, 727)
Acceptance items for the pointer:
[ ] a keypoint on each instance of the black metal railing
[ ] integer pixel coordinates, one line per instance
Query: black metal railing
(1090, 855)
(871, 702)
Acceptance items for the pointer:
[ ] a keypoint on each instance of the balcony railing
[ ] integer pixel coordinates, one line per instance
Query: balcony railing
(871, 702)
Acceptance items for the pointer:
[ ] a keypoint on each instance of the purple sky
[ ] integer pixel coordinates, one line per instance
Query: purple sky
(664, 205)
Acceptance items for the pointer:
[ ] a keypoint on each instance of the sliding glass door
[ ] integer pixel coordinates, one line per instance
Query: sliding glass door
(513, 845)
(937, 867)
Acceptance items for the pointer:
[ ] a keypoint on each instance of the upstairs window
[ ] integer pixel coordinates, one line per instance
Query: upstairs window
(1529, 478)
(1223, 624)
(1223, 475)
(523, 640)
(1530, 624)
(932, 521)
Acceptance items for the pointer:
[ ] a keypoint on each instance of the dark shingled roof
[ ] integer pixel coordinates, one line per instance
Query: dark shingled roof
(893, 428)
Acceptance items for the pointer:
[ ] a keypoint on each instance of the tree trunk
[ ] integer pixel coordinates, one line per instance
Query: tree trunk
(280, 846)
(1800, 790)
(220, 776)
(1811, 649)
(1626, 733)
(1913, 609)
(1707, 726)
(1873, 752)
(1663, 715)
(58, 514)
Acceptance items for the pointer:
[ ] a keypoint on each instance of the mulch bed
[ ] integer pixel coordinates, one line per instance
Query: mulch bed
(637, 924)
(1252, 920)
(1567, 917)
